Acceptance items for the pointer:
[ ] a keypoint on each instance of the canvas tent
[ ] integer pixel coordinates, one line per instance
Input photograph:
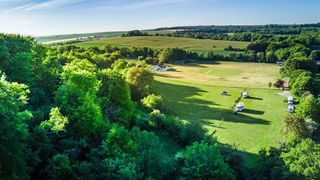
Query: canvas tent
(290, 100)
(239, 107)
(245, 94)
(290, 108)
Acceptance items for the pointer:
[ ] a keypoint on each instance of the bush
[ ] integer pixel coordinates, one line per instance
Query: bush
(304, 84)
(310, 108)
(191, 132)
(297, 125)
(114, 96)
(203, 161)
(303, 159)
(279, 84)
(152, 101)
(157, 119)
(141, 82)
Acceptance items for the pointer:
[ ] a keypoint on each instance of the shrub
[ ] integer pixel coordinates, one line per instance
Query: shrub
(203, 161)
(297, 125)
(141, 82)
(152, 101)
(191, 132)
(310, 108)
(279, 84)
(304, 84)
(157, 119)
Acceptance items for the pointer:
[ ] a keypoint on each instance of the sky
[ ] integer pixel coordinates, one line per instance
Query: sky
(51, 17)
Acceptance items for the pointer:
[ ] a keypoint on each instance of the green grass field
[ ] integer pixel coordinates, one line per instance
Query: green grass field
(194, 45)
(67, 37)
(71, 37)
(192, 92)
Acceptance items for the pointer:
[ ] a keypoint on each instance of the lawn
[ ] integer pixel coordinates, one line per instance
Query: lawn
(194, 45)
(192, 92)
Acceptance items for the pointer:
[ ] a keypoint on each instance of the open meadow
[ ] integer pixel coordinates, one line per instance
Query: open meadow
(161, 42)
(192, 92)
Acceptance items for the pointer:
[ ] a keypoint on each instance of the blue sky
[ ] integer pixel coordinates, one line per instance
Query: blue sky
(47, 17)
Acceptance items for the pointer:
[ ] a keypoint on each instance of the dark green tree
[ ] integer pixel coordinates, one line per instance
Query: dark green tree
(77, 98)
(203, 161)
(14, 133)
(141, 82)
(303, 159)
(115, 99)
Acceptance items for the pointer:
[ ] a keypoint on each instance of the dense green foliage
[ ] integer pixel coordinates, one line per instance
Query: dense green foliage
(203, 161)
(114, 94)
(13, 130)
(304, 159)
(84, 125)
(152, 101)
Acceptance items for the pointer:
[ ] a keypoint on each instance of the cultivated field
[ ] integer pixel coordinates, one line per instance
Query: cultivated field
(192, 92)
(101, 35)
(194, 45)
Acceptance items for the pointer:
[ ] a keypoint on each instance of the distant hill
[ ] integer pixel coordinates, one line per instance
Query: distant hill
(284, 29)
(72, 38)
(77, 37)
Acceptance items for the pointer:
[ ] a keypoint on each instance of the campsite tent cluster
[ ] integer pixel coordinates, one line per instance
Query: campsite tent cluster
(240, 105)
(160, 68)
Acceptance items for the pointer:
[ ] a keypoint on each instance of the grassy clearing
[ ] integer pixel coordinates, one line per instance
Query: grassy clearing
(193, 93)
(195, 45)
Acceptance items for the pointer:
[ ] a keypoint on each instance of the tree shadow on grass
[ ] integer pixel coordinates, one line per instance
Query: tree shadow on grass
(251, 111)
(255, 98)
(181, 101)
(166, 76)
(172, 70)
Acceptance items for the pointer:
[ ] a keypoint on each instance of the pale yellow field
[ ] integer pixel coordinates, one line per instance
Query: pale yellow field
(225, 74)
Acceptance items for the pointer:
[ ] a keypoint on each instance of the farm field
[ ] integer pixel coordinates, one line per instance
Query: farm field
(193, 93)
(194, 45)
(102, 35)
(70, 37)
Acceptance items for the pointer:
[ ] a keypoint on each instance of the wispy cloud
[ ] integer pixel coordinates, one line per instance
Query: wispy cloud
(44, 5)
(146, 4)
(51, 4)
(18, 8)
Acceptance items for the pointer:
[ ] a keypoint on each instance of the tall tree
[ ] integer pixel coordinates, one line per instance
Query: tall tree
(204, 161)
(304, 159)
(13, 130)
(77, 98)
(141, 82)
(115, 98)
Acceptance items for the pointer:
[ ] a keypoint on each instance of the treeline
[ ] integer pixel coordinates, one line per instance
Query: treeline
(261, 29)
(267, 48)
(240, 36)
(135, 33)
(299, 152)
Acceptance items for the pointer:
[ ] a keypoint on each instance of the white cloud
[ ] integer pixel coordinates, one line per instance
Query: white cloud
(33, 6)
